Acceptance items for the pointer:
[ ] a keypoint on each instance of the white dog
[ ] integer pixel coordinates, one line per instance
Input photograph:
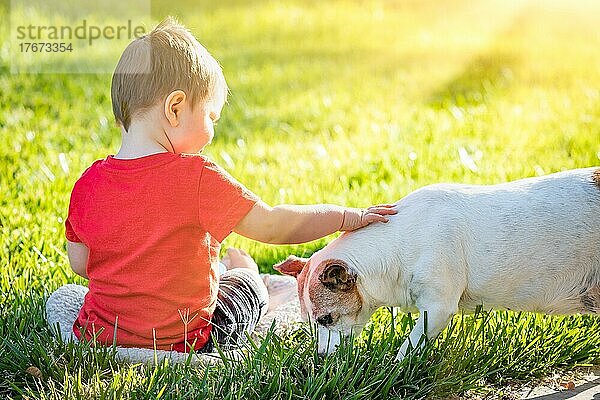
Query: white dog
(530, 245)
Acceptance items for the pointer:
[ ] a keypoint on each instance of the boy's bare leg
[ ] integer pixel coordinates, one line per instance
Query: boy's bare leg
(236, 258)
(281, 288)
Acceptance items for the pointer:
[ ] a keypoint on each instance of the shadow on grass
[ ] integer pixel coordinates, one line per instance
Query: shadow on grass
(477, 83)
(489, 73)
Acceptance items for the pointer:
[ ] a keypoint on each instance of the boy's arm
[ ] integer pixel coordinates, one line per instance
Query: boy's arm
(78, 257)
(292, 224)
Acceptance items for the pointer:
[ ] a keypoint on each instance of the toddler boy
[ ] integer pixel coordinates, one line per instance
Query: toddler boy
(145, 225)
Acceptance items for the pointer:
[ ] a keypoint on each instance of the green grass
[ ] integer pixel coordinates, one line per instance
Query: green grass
(347, 102)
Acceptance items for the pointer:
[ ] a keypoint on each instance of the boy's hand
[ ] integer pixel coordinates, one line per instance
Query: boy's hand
(355, 218)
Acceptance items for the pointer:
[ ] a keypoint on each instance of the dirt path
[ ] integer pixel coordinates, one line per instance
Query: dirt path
(584, 386)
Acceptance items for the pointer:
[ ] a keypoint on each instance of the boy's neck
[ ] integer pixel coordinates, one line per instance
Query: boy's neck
(126, 153)
(137, 142)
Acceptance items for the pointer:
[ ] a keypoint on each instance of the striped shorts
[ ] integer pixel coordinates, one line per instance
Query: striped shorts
(241, 301)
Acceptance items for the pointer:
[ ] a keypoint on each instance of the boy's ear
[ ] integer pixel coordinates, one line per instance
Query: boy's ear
(173, 105)
(292, 266)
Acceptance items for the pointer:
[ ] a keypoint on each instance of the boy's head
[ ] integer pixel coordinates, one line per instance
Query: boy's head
(168, 71)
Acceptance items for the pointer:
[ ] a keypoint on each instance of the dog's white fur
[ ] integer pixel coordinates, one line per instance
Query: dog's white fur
(530, 245)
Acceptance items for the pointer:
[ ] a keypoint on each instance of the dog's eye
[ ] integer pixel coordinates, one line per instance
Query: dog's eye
(325, 320)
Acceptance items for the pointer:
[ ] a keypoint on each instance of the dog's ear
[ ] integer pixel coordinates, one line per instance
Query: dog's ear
(338, 278)
(292, 266)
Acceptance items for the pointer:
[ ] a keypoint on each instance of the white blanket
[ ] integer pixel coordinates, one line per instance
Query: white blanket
(64, 304)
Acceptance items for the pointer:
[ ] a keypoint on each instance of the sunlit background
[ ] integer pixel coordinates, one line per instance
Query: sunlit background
(347, 102)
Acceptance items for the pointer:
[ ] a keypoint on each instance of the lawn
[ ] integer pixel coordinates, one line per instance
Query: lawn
(344, 102)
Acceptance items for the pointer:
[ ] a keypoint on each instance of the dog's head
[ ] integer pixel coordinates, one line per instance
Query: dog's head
(329, 295)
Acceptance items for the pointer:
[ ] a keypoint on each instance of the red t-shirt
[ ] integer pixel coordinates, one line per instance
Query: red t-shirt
(153, 226)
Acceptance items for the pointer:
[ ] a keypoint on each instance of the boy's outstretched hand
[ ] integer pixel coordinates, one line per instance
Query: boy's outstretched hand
(355, 218)
(292, 224)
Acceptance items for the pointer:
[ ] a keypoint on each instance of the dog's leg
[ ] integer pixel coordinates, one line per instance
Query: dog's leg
(434, 317)
(437, 283)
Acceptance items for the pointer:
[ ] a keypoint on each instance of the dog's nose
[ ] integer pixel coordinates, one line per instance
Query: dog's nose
(325, 320)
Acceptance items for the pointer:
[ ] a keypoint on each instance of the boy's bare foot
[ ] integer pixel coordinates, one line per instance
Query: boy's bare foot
(236, 258)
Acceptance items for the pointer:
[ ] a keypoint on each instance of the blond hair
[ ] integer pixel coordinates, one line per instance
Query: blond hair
(151, 67)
